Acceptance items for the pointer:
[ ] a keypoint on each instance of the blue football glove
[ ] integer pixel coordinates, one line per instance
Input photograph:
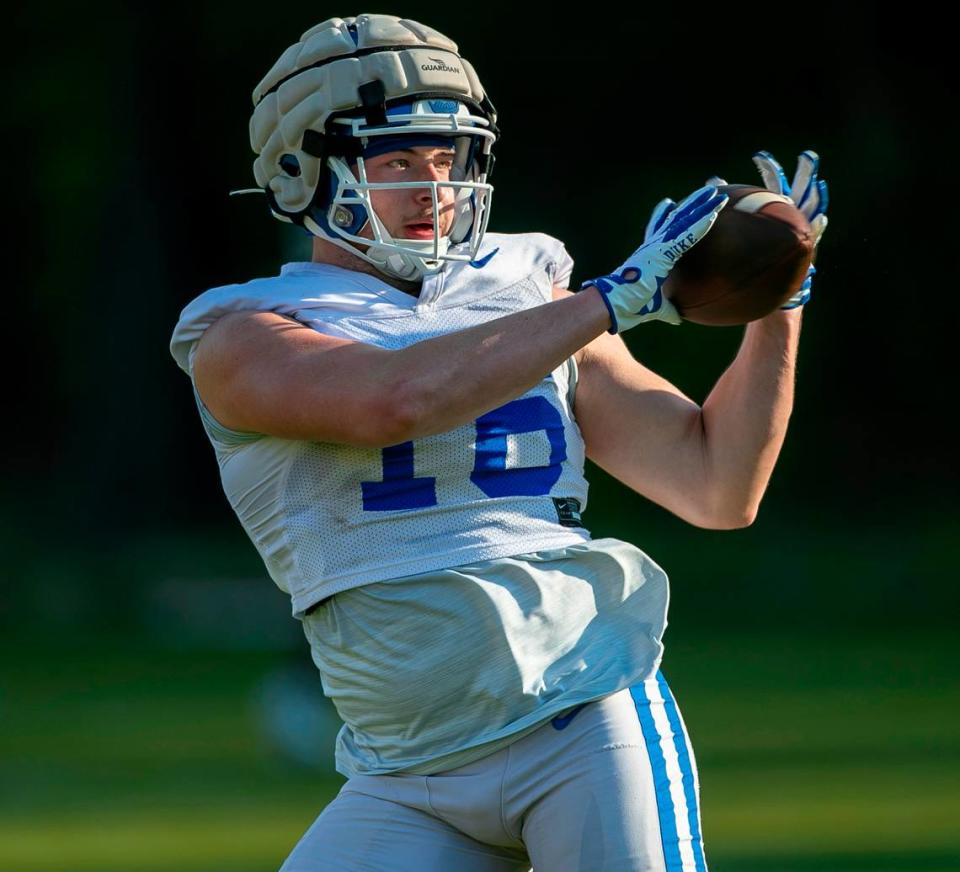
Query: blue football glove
(810, 196)
(632, 293)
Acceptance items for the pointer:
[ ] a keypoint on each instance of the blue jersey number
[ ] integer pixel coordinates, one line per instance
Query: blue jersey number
(400, 489)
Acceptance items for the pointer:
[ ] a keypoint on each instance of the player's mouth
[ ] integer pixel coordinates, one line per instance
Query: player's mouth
(419, 230)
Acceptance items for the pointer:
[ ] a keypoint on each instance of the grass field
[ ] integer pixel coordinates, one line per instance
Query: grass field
(815, 754)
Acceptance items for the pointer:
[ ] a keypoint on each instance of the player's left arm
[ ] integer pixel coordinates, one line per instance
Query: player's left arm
(709, 465)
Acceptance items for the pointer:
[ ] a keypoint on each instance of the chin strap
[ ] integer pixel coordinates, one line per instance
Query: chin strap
(394, 264)
(405, 266)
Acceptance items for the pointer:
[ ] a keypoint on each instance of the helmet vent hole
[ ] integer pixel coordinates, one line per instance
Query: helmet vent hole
(290, 165)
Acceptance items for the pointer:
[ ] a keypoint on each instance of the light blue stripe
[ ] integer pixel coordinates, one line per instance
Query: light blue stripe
(661, 781)
(686, 768)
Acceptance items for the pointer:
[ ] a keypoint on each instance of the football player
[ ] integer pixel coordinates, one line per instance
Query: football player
(401, 425)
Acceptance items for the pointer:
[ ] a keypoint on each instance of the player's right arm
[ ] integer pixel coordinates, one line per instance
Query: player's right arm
(265, 373)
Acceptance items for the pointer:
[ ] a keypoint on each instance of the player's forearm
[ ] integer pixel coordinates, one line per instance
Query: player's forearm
(451, 379)
(745, 417)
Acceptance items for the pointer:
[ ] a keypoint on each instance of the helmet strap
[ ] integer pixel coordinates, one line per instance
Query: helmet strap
(373, 98)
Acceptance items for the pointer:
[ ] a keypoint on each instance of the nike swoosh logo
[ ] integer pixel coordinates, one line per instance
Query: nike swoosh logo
(561, 722)
(480, 264)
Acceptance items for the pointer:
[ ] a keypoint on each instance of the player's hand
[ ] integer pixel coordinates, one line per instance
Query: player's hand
(632, 293)
(809, 194)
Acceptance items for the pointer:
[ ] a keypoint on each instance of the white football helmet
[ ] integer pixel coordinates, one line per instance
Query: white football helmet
(353, 88)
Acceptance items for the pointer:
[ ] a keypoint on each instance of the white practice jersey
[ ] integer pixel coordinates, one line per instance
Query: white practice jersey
(328, 517)
(431, 671)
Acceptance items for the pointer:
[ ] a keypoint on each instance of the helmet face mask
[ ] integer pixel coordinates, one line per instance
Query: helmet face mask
(354, 89)
(344, 207)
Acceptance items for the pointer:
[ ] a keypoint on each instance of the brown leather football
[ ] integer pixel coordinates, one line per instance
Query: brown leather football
(753, 259)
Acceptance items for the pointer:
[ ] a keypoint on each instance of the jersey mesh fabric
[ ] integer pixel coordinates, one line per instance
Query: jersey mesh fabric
(474, 513)
(434, 670)
(329, 517)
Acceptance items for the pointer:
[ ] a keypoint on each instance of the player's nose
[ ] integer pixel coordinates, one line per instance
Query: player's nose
(424, 194)
(429, 172)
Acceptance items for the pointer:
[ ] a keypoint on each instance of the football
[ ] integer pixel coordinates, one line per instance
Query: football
(752, 260)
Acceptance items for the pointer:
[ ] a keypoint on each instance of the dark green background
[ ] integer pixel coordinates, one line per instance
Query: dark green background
(812, 653)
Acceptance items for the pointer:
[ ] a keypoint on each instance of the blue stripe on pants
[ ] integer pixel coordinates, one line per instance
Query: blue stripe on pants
(666, 809)
(686, 767)
(661, 781)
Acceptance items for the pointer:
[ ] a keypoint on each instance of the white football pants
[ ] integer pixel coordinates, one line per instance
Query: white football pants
(610, 786)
